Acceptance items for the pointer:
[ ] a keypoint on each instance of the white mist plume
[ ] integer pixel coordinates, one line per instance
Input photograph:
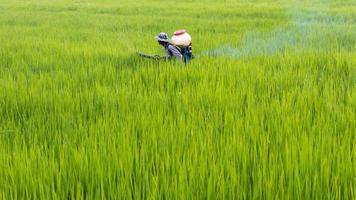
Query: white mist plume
(308, 22)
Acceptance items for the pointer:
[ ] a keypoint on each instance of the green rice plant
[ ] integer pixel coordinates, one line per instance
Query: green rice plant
(267, 110)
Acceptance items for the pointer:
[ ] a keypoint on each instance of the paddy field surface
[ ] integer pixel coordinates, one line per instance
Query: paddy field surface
(266, 110)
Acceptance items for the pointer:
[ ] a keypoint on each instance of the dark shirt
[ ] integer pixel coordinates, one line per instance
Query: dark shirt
(173, 52)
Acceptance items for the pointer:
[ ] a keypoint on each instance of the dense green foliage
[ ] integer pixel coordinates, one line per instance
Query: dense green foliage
(267, 110)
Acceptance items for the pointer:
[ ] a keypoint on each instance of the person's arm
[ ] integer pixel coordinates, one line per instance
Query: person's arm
(168, 54)
(175, 52)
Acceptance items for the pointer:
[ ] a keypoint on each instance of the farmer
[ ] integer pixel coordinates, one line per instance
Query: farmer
(171, 50)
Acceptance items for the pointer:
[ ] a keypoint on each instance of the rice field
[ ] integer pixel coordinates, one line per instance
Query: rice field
(266, 110)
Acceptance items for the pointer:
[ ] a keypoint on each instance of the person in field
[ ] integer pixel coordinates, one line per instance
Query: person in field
(171, 50)
(179, 47)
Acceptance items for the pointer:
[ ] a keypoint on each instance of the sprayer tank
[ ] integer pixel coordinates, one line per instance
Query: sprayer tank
(181, 38)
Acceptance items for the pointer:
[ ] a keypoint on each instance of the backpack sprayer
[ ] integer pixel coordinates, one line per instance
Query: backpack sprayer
(182, 41)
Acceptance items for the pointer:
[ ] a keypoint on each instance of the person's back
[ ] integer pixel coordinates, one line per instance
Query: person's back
(173, 52)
